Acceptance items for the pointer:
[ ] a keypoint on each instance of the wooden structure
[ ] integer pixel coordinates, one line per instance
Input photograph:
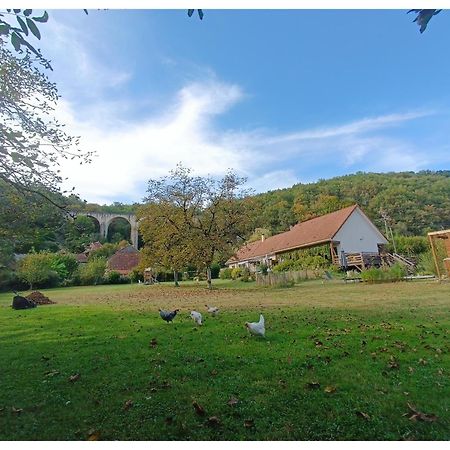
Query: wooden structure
(445, 236)
(150, 276)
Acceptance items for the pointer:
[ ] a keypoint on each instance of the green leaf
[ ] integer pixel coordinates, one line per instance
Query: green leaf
(33, 28)
(4, 28)
(27, 12)
(31, 48)
(22, 25)
(42, 19)
(16, 41)
(86, 11)
(17, 11)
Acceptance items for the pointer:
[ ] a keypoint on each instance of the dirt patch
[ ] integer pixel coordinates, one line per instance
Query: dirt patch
(39, 298)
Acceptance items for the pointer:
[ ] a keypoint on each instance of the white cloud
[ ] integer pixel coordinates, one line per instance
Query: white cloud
(130, 153)
(132, 148)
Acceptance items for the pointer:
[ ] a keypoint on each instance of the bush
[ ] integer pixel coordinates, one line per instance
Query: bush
(105, 251)
(37, 269)
(397, 272)
(263, 268)
(409, 245)
(136, 275)
(225, 274)
(215, 270)
(394, 273)
(113, 277)
(245, 275)
(92, 272)
(236, 273)
(372, 275)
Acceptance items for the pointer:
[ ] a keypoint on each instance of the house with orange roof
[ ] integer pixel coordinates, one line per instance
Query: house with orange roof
(124, 260)
(353, 240)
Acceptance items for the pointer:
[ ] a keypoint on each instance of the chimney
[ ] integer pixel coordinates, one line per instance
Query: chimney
(262, 238)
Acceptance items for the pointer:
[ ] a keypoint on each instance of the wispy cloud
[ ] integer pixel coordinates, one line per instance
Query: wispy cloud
(187, 132)
(133, 147)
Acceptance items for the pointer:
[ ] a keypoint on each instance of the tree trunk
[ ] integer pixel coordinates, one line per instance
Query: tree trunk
(175, 278)
(208, 274)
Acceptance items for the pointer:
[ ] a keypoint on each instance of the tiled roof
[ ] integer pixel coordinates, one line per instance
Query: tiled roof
(93, 246)
(81, 257)
(125, 259)
(314, 231)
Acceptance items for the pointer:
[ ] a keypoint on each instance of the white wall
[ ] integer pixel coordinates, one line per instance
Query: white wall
(358, 235)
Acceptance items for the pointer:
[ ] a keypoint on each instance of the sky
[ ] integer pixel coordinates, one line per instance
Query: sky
(280, 97)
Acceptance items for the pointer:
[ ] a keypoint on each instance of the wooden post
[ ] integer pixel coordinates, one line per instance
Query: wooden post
(433, 251)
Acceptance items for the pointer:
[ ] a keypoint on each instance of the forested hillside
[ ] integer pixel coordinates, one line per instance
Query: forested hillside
(414, 203)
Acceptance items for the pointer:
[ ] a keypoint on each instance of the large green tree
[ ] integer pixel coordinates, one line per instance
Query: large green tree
(213, 215)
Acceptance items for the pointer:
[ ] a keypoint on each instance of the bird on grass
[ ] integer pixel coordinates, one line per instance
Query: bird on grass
(257, 328)
(197, 317)
(212, 310)
(168, 316)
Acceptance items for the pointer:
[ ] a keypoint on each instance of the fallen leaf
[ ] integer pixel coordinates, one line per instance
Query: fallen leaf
(363, 415)
(74, 377)
(330, 389)
(16, 410)
(214, 372)
(52, 373)
(249, 423)
(213, 421)
(169, 420)
(233, 401)
(313, 385)
(153, 343)
(414, 414)
(393, 364)
(94, 435)
(423, 362)
(199, 410)
(127, 405)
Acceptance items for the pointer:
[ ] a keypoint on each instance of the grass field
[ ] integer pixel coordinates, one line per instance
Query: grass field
(338, 362)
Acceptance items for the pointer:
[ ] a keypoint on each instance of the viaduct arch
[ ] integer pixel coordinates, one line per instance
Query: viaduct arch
(105, 219)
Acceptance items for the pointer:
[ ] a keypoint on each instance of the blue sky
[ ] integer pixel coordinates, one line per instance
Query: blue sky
(280, 96)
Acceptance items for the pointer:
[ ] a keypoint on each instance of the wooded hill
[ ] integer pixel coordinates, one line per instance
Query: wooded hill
(414, 203)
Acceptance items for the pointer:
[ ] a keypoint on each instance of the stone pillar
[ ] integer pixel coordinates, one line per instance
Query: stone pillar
(103, 230)
(134, 236)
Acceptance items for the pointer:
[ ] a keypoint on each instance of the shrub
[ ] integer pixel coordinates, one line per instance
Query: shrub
(409, 245)
(236, 273)
(396, 272)
(215, 270)
(113, 277)
(136, 275)
(372, 275)
(37, 269)
(225, 274)
(93, 271)
(245, 275)
(263, 268)
(105, 251)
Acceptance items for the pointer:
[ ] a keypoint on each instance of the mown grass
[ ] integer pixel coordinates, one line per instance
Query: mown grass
(379, 346)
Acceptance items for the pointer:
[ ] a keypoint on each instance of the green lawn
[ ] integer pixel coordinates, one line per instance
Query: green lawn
(375, 347)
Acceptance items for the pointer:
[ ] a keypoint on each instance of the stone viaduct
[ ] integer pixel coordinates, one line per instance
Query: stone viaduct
(105, 219)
